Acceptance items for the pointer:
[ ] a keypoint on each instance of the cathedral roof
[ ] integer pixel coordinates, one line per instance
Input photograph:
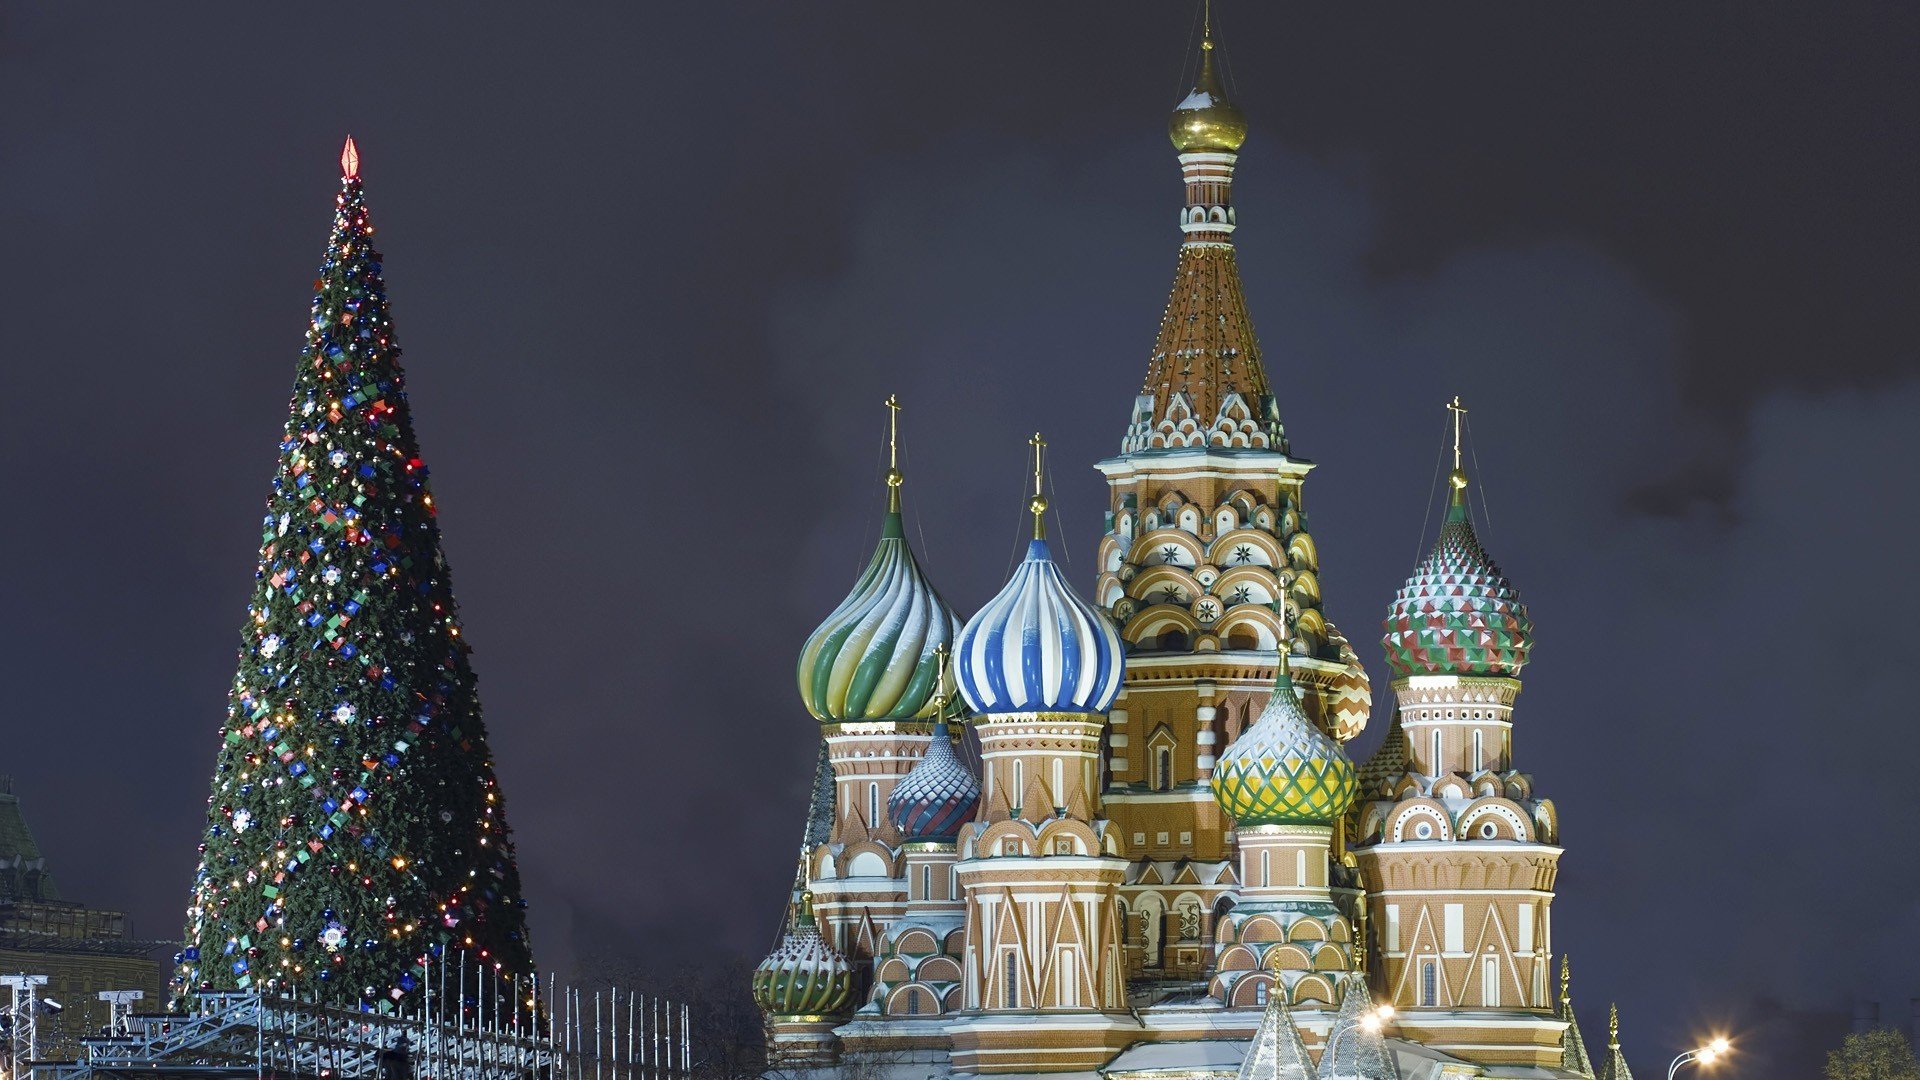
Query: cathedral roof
(937, 796)
(872, 659)
(820, 803)
(1458, 614)
(23, 870)
(803, 976)
(1282, 770)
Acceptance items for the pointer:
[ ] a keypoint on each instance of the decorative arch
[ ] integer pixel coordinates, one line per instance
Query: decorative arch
(1167, 547)
(1408, 817)
(1313, 988)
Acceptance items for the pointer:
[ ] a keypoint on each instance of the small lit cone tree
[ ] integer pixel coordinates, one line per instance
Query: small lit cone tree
(356, 843)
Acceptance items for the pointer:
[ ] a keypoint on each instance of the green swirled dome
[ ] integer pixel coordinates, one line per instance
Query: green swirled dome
(803, 976)
(1282, 770)
(872, 659)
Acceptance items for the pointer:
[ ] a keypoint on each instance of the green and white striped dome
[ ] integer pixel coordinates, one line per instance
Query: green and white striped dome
(872, 659)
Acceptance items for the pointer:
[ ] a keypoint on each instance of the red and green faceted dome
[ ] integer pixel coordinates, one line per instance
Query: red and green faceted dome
(1458, 614)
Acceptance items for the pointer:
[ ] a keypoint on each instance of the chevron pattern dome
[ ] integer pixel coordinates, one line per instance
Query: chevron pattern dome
(937, 796)
(1282, 770)
(1458, 614)
(1038, 647)
(803, 976)
(872, 659)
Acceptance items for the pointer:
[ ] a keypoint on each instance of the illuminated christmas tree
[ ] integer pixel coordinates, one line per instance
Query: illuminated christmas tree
(356, 842)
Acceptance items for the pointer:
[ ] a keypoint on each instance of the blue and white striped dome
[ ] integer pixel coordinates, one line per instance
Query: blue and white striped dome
(1038, 647)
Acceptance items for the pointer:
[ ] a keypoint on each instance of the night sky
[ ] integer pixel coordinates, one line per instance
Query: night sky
(655, 268)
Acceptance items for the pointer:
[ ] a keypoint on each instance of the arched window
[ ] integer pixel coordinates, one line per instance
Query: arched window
(1490, 981)
(1429, 983)
(913, 1002)
(1260, 992)
(1163, 769)
(1479, 762)
(1012, 965)
(1434, 765)
(873, 805)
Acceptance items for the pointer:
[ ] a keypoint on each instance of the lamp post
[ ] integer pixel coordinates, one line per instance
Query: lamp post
(1705, 1055)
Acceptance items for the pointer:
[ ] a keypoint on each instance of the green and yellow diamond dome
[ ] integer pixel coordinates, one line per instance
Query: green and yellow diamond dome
(1282, 770)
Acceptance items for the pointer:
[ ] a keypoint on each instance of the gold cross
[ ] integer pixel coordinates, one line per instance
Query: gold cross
(940, 682)
(1038, 505)
(1458, 410)
(894, 476)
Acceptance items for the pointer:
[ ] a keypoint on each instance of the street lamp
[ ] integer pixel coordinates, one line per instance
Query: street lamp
(1705, 1055)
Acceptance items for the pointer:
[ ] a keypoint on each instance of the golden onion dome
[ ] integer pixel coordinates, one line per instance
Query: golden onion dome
(1206, 120)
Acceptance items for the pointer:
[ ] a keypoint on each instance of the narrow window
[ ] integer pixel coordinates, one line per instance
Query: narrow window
(1266, 867)
(1299, 867)
(1429, 983)
(1490, 981)
(913, 1002)
(1068, 979)
(1012, 996)
(1019, 783)
(1163, 769)
(1434, 768)
(1478, 761)
(873, 805)
(1260, 992)
(926, 883)
(1059, 782)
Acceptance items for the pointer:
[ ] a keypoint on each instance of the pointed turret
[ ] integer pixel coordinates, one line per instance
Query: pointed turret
(1357, 1045)
(1277, 1051)
(1573, 1048)
(1615, 1065)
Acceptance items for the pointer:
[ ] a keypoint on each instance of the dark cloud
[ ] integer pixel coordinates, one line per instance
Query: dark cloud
(655, 270)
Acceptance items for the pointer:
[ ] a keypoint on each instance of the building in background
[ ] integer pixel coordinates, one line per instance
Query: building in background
(82, 951)
(1167, 866)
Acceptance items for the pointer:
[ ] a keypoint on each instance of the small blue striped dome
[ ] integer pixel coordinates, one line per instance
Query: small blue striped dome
(1038, 647)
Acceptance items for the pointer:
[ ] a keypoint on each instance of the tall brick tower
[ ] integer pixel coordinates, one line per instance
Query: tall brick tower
(1206, 541)
(1457, 853)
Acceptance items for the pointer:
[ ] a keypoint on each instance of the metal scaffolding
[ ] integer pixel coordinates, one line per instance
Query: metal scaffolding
(607, 1035)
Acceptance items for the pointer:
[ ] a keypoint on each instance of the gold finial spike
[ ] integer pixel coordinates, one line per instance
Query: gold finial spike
(1038, 504)
(1283, 673)
(1613, 1026)
(939, 683)
(1458, 410)
(894, 476)
(1206, 24)
(1566, 978)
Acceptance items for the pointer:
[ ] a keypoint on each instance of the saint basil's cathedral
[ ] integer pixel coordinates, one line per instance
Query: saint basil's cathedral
(1165, 863)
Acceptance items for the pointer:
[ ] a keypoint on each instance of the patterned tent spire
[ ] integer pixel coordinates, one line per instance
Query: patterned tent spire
(1357, 1047)
(1458, 614)
(1277, 1052)
(820, 804)
(1615, 1067)
(1573, 1048)
(1204, 378)
(872, 659)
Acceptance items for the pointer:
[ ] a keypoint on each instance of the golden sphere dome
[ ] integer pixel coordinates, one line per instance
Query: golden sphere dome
(1206, 120)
